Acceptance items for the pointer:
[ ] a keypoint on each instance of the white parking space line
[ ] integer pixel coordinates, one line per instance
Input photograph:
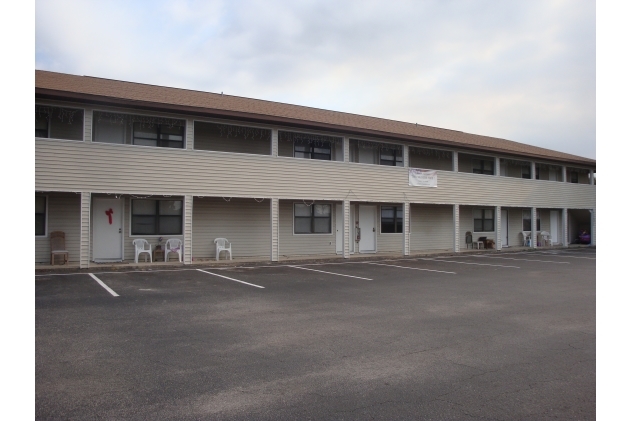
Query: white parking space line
(232, 279)
(330, 273)
(406, 267)
(470, 263)
(563, 255)
(525, 260)
(108, 289)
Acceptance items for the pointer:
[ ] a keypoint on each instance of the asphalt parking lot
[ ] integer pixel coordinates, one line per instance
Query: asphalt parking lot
(510, 336)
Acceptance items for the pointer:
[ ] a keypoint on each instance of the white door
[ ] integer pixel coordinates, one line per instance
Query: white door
(339, 228)
(107, 234)
(554, 226)
(504, 228)
(368, 241)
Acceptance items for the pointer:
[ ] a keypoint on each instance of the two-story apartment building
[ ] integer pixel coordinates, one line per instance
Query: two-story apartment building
(117, 161)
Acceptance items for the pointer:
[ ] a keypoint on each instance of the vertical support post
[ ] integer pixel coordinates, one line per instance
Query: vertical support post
(274, 145)
(274, 218)
(565, 231)
(593, 233)
(533, 170)
(406, 156)
(190, 134)
(454, 161)
(456, 228)
(497, 166)
(498, 228)
(188, 229)
(591, 177)
(533, 228)
(87, 124)
(406, 228)
(84, 245)
(564, 173)
(347, 229)
(347, 150)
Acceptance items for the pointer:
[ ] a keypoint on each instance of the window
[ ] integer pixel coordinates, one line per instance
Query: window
(391, 156)
(40, 215)
(574, 177)
(312, 149)
(482, 166)
(161, 135)
(312, 219)
(138, 130)
(527, 221)
(58, 123)
(156, 217)
(483, 220)
(536, 172)
(525, 171)
(391, 219)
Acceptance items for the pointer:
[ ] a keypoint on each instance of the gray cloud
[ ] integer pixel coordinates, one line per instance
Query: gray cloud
(518, 70)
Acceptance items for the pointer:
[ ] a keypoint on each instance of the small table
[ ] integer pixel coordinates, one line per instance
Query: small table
(478, 244)
(158, 253)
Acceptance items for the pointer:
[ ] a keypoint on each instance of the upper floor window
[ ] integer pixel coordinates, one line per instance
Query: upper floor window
(58, 122)
(525, 171)
(482, 166)
(367, 152)
(574, 177)
(483, 220)
(391, 156)
(391, 219)
(527, 221)
(138, 130)
(209, 136)
(312, 219)
(310, 146)
(40, 215)
(156, 217)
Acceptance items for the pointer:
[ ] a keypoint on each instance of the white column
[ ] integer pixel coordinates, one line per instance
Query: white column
(347, 227)
(274, 145)
(533, 228)
(347, 150)
(87, 124)
(533, 170)
(593, 233)
(497, 166)
(84, 245)
(456, 228)
(188, 230)
(564, 229)
(406, 228)
(406, 156)
(190, 134)
(498, 228)
(591, 177)
(454, 161)
(564, 173)
(274, 225)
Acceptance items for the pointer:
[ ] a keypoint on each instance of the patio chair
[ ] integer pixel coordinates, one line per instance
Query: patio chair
(468, 239)
(222, 244)
(142, 246)
(526, 237)
(546, 238)
(173, 245)
(58, 246)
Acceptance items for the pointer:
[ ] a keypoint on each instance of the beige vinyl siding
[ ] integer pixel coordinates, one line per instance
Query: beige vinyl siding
(432, 227)
(207, 139)
(464, 163)
(466, 224)
(431, 162)
(544, 173)
(87, 126)
(244, 222)
(285, 148)
(515, 226)
(514, 170)
(389, 242)
(64, 214)
(111, 168)
(291, 244)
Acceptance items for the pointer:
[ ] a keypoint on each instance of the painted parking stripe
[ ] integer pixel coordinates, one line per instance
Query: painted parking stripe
(525, 260)
(471, 263)
(330, 273)
(232, 279)
(108, 289)
(406, 267)
(563, 255)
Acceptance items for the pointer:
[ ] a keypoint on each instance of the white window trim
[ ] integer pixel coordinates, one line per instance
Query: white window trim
(319, 234)
(46, 230)
(473, 219)
(379, 220)
(49, 120)
(155, 235)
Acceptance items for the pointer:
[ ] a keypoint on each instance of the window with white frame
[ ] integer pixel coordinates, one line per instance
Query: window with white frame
(40, 215)
(58, 122)
(527, 221)
(156, 217)
(312, 219)
(132, 129)
(391, 219)
(483, 166)
(483, 220)
(392, 157)
(310, 145)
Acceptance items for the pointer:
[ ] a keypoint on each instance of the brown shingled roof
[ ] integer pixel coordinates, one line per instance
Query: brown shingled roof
(104, 91)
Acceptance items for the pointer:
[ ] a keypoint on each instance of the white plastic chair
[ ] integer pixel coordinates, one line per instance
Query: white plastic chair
(222, 244)
(526, 235)
(546, 238)
(142, 246)
(173, 245)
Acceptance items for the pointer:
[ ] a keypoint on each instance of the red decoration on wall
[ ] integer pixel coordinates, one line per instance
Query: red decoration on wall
(109, 213)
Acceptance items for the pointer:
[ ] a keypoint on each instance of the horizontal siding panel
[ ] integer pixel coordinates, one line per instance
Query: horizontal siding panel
(64, 214)
(291, 244)
(78, 166)
(432, 227)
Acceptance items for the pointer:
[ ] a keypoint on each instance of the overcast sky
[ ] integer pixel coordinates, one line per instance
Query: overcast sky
(520, 70)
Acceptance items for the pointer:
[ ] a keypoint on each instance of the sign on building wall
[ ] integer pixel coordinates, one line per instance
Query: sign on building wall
(423, 178)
